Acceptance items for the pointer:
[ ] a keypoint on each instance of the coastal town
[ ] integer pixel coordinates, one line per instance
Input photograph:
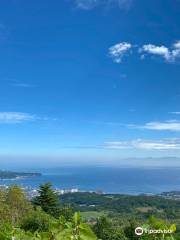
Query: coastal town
(33, 191)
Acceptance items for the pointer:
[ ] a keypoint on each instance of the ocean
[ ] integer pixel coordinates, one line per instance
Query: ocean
(106, 179)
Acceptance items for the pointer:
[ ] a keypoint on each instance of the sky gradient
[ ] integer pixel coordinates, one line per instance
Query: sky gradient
(89, 79)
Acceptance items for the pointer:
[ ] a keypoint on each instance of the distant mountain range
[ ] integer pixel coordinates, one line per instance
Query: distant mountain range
(15, 175)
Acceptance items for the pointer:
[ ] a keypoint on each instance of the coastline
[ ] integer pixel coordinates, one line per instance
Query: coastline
(128, 181)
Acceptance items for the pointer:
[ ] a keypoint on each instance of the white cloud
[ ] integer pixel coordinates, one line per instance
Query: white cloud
(157, 50)
(15, 117)
(171, 125)
(168, 125)
(117, 51)
(169, 54)
(164, 144)
(157, 145)
(176, 50)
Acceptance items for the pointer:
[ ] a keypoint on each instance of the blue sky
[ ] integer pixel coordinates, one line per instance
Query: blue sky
(90, 79)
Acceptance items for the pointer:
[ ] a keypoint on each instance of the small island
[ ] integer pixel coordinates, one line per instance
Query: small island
(16, 175)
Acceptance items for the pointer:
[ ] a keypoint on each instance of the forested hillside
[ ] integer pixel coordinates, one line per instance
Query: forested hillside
(13, 175)
(105, 217)
(140, 206)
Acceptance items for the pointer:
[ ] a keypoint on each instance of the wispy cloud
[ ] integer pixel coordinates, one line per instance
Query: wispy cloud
(170, 54)
(176, 113)
(143, 144)
(117, 51)
(86, 4)
(16, 117)
(22, 85)
(170, 125)
(124, 3)
(90, 4)
(19, 84)
(20, 117)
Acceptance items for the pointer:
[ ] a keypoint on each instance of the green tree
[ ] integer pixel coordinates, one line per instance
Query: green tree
(129, 230)
(18, 204)
(48, 200)
(105, 230)
(14, 205)
(37, 220)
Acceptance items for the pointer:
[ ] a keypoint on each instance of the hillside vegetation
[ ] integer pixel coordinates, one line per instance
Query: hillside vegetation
(12, 175)
(105, 217)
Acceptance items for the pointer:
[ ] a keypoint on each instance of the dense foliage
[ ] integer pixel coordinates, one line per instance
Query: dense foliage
(114, 216)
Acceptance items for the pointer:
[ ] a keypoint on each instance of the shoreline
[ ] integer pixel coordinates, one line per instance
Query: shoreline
(34, 190)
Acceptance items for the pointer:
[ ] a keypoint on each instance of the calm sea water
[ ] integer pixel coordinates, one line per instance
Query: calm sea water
(107, 179)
